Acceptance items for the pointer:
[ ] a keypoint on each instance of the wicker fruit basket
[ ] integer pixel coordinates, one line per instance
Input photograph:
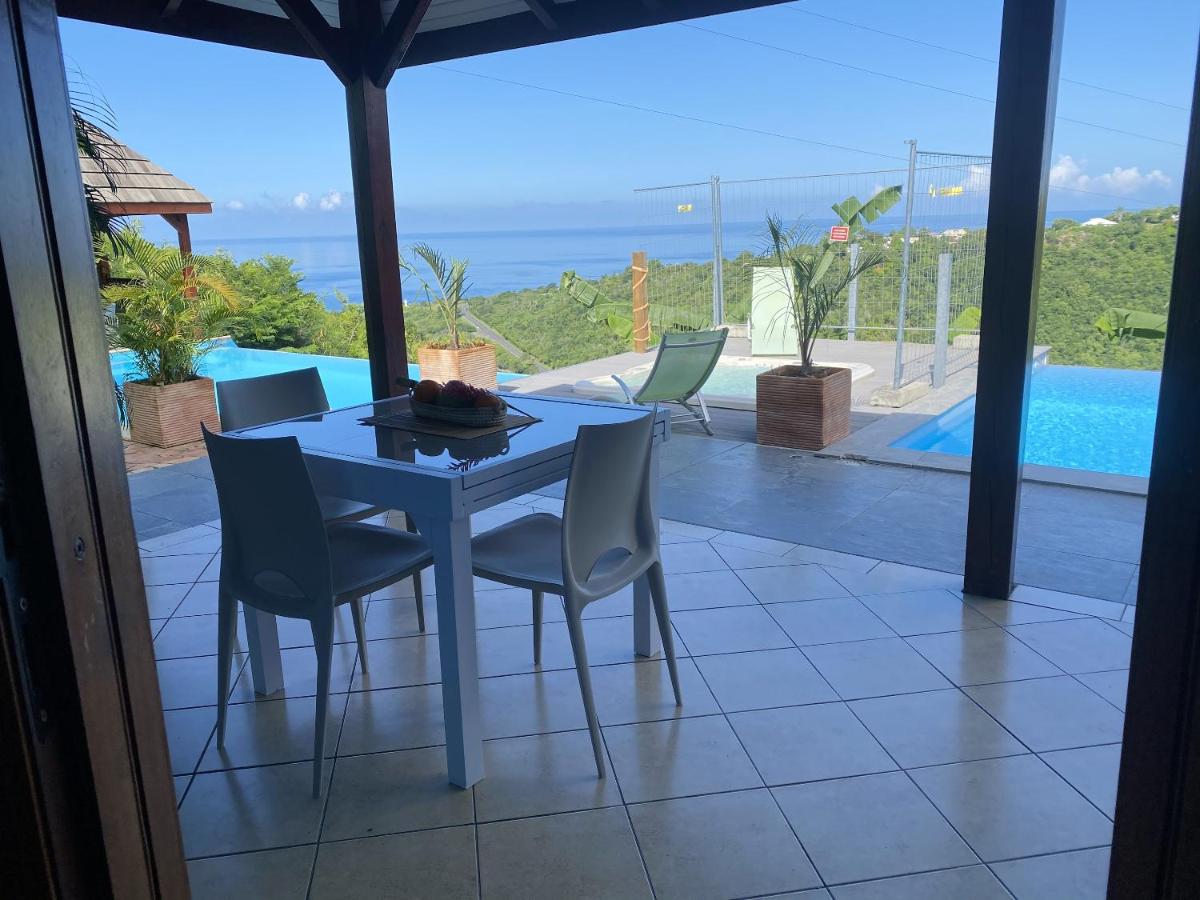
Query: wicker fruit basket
(469, 417)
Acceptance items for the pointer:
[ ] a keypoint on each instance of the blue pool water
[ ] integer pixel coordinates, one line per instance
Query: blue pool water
(1101, 420)
(347, 381)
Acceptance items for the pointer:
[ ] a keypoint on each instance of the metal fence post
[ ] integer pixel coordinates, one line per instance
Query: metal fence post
(941, 323)
(898, 373)
(718, 298)
(852, 297)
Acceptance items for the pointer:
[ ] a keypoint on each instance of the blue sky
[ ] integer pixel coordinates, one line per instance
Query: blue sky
(264, 135)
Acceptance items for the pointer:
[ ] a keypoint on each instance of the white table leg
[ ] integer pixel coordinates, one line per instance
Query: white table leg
(262, 640)
(451, 545)
(646, 639)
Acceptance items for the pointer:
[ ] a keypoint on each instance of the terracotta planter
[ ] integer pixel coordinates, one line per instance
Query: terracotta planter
(474, 365)
(805, 412)
(169, 415)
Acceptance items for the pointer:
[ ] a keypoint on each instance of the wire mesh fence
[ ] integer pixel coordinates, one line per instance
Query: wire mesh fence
(925, 301)
(943, 280)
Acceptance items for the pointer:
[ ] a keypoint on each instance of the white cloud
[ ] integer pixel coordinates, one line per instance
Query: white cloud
(235, 204)
(330, 200)
(1071, 174)
(300, 201)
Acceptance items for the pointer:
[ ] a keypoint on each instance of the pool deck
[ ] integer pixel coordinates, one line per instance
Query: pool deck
(879, 425)
(878, 355)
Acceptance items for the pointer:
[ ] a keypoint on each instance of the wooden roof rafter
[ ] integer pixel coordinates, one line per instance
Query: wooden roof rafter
(388, 52)
(538, 8)
(328, 43)
(438, 37)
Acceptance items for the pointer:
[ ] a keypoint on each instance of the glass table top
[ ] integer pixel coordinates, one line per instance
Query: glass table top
(342, 431)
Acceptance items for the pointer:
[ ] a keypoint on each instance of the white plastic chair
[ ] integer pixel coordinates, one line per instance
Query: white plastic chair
(247, 402)
(606, 539)
(278, 555)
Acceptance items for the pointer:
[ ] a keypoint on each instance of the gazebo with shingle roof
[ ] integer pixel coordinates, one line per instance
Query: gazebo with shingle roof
(123, 182)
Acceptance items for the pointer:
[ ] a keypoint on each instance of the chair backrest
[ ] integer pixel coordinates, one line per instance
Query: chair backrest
(271, 525)
(684, 362)
(245, 402)
(608, 495)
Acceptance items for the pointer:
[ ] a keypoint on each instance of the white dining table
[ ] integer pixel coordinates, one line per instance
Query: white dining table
(440, 482)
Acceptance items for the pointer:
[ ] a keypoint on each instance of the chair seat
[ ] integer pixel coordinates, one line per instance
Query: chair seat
(335, 509)
(363, 558)
(527, 552)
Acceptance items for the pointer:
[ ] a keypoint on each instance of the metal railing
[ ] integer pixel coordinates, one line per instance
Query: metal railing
(703, 238)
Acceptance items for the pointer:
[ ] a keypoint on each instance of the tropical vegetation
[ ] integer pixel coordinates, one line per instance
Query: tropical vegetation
(803, 269)
(166, 309)
(446, 292)
(1086, 271)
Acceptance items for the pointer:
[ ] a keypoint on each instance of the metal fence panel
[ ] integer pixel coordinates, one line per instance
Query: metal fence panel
(926, 301)
(944, 277)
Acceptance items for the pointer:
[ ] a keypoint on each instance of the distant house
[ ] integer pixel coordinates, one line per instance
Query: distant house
(954, 234)
(1098, 221)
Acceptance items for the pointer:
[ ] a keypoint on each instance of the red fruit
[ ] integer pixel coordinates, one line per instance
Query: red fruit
(487, 400)
(456, 395)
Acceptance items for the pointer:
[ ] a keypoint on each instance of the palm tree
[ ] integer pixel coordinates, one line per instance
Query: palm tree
(93, 120)
(168, 310)
(449, 286)
(803, 267)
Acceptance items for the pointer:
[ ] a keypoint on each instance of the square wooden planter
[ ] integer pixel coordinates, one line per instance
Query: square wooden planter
(474, 365)
(805, 412)
(169, 415)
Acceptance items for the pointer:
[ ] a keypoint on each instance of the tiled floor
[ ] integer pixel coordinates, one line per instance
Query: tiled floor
(850, 729)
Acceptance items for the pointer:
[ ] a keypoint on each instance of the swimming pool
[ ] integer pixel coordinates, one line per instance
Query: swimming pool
(1100, 420)
(347, 381)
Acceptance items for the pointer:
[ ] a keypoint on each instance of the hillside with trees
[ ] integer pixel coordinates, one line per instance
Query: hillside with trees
(1085, 271)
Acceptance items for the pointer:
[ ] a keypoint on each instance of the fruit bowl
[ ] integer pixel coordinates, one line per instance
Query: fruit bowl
(458, 403)
(470, 417)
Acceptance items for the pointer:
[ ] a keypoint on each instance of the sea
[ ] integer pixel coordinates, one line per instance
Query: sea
(519, 259)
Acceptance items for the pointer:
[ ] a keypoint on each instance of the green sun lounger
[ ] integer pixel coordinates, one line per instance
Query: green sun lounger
(684, 362)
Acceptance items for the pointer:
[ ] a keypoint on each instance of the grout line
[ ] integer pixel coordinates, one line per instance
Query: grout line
(850, 709)
(625, 805)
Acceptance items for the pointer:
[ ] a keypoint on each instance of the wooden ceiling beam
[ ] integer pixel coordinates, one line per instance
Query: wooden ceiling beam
(207, 21)
(326, 41)
(390, 48)
(583, 18)
(154, 209)
(197, 20)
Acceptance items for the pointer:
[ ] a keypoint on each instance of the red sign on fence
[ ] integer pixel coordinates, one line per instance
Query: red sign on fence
(839, 233)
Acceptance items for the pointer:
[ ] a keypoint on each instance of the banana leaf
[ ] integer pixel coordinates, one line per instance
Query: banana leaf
(858, 215)
(1118, 324)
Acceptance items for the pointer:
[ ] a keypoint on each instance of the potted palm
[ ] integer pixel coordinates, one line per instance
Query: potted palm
(165, 312)
(806, 406)
(453, 358)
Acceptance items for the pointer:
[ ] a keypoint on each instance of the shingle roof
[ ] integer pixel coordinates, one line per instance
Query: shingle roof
(127, 183)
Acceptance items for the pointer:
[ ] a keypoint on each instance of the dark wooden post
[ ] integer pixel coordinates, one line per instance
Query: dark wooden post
(1156, 841)
(89, 805)
(1026, 93)
(183, 234)
(375, 219)
(638, 270)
